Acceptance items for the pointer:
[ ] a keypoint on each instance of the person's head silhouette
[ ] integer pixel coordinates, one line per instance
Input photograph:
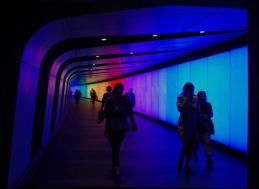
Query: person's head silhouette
(202, 97)
(109, 89)
(188, 89)
(118, 90)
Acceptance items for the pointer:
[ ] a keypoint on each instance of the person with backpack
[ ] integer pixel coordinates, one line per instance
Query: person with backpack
(106, 97)
(117, 110)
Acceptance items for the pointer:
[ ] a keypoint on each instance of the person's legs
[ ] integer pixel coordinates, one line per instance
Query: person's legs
(116, 139)
(132, 121)
(189, 149)
(112, 139)
(195, 150)
(120, 135)
(110, 136)
(182, 155)
(207, 147)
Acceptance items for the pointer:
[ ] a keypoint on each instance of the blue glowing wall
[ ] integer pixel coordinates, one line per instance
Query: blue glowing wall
(82, 88)
(223, 76)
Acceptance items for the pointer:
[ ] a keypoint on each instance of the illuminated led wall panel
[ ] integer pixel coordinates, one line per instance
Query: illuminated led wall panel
(200, 75)
(172, 92)
(223, 76)
(162, 94)
(219, 94)
(238, 99)
(82, 88)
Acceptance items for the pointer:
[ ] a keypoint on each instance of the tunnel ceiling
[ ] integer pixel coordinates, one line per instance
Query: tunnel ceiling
(136, 57)
(195, 28)
(110, 45)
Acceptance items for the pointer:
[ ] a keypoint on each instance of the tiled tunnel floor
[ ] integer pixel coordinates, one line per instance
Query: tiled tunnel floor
(81, 157)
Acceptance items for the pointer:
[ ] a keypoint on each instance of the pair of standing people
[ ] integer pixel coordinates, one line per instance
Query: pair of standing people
(194, 123)
(117, 109)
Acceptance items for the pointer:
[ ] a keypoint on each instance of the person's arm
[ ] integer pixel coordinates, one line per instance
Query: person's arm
(104, 99)
(179, 103)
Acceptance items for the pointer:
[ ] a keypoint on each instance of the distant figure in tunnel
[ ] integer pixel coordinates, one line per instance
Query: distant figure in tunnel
(131, 97)
(70, 94)
(117, 111)
(93, 96)
(106, 96)
(205, 126)
(77, 96)
(187, 105)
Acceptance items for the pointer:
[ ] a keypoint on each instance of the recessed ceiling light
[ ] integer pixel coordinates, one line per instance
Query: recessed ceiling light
(104, 39)
(202, 31)
(155, 35)
(97, 56)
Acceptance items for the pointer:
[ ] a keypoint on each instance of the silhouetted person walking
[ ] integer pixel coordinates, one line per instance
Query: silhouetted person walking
(205, 126)
(106, 97)
(117, 111)
(93, 96)
(77, 96)
(70, 94)
(131, 97)
(187, 105)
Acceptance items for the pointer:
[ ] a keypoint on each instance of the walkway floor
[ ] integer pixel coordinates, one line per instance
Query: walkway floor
(81, 157)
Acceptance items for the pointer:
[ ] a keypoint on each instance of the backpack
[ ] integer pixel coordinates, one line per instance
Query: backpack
(118, 107)
(117, 112)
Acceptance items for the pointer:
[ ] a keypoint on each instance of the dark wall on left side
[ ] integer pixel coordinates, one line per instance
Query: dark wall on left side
(12, 45)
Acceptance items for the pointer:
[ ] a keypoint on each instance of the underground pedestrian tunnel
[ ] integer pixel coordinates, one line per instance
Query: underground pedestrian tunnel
(154, 49)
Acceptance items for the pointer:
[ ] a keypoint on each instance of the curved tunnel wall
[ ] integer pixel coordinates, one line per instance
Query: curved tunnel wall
(223, 76)
(30, 72)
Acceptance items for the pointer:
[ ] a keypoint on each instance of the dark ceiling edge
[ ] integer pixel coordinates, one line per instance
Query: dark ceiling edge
(147, 37)
(108, 56)
(70, 72)
(82, 74)
(115, 5)
(87, 42)
(104, 65)
(128, 63)
(241, 41)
